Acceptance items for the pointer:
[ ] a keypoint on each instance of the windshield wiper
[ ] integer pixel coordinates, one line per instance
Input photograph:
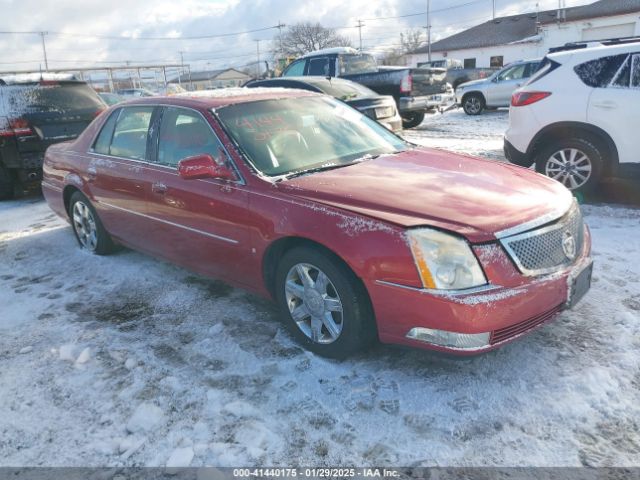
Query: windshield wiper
(313, 170)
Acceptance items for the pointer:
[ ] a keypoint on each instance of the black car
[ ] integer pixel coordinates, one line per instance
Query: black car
(378, 107)
(35, 112)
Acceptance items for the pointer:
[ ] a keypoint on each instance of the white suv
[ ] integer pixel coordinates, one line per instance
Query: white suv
(578, 117)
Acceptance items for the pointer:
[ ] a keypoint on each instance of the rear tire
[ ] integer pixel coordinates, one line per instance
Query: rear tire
(576, 162)
(412, 119)
(473, 104)
(87, 226)
(7, 186)
(325, 305)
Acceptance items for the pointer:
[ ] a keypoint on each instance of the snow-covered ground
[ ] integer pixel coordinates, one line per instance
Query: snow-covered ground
(126, 360)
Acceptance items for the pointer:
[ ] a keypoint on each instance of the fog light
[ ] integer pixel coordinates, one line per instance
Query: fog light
(463, 341)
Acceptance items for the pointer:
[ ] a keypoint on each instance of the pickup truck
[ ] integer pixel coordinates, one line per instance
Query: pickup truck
(456, 73)
(415, 90)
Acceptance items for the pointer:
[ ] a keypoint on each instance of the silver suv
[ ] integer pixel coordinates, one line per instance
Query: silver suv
(496, 90)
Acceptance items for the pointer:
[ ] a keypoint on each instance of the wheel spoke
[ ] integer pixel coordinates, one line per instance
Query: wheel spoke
(316, 328)
(331, 326)
(300, 313)
(305, 278)
(572, 155)
(321, 283)
(332, 304)
(294, 289)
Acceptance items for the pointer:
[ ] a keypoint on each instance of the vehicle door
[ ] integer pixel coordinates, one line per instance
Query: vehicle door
(200, 223)
(117, 173)
(614, 107)
(504, 84)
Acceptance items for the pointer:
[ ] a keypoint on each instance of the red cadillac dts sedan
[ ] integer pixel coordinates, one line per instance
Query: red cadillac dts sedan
(355, 233)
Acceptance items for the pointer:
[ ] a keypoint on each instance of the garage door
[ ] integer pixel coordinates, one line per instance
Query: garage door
(611, 31)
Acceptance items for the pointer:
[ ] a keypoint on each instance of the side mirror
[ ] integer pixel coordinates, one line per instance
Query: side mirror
(204, 166)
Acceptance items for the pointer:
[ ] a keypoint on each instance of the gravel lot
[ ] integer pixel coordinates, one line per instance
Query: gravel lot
(126, 360)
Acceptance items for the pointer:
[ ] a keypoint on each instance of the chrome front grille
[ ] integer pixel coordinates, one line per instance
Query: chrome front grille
(550, 248)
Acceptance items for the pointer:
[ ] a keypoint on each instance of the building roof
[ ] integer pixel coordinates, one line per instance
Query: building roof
(206, 75)
(515, 28)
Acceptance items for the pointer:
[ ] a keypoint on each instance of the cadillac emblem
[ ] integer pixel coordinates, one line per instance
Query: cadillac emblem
(569, 245)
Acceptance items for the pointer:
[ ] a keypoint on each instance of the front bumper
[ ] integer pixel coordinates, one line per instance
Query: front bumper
(430, 102)
(504, 313)
(515, 156)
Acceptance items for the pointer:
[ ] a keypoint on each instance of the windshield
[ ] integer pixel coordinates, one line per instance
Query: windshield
(353, 64)
(306, 133)
(345, 90)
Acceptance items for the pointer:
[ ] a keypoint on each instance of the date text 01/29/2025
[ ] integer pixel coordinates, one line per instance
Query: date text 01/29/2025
(316, 472)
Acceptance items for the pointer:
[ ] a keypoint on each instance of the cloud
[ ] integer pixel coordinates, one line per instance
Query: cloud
(79, 21)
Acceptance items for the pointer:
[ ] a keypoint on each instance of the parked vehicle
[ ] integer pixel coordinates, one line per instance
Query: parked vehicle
(35, 112)
(354, 232)
(111, 98)
(379, 107)
(414, 89)
(135, 92)
(456, 73)
(577, 118)
(496, 90)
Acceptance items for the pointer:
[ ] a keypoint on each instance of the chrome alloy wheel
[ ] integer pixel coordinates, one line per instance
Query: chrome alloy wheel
(85, 226)
(314, 303)
(569, 166)
(473, 105)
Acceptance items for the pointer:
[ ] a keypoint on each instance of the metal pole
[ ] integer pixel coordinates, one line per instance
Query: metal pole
(190, 82)
(44, 51)
(164, 76)
(494, 9)
(110, 80)
(429, 29)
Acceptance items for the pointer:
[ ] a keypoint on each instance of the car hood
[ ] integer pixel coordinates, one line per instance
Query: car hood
(473, 83)
(425, 187)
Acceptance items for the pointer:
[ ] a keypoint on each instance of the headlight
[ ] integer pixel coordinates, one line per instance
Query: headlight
(445, 262)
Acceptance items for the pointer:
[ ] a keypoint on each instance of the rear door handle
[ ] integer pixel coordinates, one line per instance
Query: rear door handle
(606, 104)
(159, 188)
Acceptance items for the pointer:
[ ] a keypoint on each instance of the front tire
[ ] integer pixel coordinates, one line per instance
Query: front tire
(7, 187)
(87, 226)
(577, 163)
(473, 104)
(326, 307)
(412, 119)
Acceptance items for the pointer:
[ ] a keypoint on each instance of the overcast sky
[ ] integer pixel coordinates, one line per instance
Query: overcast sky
(91, 33)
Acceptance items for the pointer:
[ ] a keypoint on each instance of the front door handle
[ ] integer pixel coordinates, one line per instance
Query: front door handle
(159, 188)
(606, 104)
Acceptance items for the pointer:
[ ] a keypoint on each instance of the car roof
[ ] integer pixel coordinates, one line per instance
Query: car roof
(595, 51)
(224, 97)
(35, 78)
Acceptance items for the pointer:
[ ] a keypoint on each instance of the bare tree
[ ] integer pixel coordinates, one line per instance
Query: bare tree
(303, 38)
(410, 40)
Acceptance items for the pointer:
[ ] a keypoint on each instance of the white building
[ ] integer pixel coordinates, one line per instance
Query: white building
(498, 42)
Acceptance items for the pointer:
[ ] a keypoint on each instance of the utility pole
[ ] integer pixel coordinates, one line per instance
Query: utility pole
(429, 30)
(280, 26)
(44, 51)
(360, 25)
(494, 9)
(181, 68)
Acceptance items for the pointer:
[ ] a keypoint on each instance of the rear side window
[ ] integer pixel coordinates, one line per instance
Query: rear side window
(628, 75)
(544, 68)
(599, 73)
(131, 133)
(103, 142)
(635, 71)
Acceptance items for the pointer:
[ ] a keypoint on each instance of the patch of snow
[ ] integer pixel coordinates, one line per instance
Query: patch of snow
(25, 350)
(145, 418)
(180, 457)
(84, 357)
(67, 352)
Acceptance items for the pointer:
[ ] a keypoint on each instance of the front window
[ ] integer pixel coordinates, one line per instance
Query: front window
(319, 66)
(281, 137)
(513, 73)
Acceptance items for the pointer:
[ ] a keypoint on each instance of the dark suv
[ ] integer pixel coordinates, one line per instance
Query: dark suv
(35, 112)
